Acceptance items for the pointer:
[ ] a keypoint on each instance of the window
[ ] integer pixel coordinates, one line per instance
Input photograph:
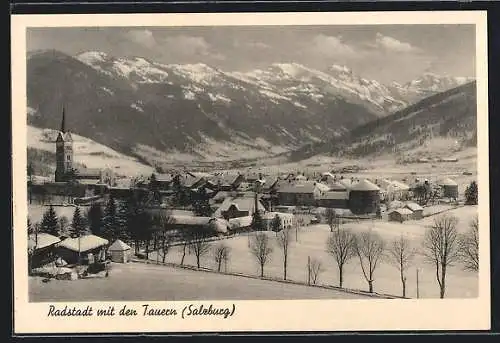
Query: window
(68, 157)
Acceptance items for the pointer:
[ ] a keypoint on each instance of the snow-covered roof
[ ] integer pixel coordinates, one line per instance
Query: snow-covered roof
(83, 243)
(334, 196)
(240, 222)
(119, 245)
(303, 187)
(241, 203)
(271, 215)
(414, 206)
(190, 220)
(365, 185)
(337, 186)
(403, 211)
(42, 240)
(448, 182)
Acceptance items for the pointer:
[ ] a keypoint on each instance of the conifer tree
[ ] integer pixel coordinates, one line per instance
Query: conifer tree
(49, 222)
(122, 221)
(95, 218)
(257, 222)
(109, 220)
(471, 194)
(77, 225)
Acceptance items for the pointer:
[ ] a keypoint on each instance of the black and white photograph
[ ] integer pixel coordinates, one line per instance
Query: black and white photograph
(256, 162)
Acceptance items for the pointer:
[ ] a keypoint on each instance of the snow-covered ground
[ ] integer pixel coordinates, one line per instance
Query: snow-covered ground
(137, 281)
(312, 242)
(89, 153)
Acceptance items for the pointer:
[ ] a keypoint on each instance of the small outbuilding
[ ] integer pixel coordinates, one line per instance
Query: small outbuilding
(400, 214)
(120, 252)
(418, 211)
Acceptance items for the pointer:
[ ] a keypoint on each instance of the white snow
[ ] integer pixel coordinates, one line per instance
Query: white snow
(188, 95)
(88, 152)
(219, 97)
(92, 57)
(107, 90)
(136, 107)
(273, 95)
(199, 72)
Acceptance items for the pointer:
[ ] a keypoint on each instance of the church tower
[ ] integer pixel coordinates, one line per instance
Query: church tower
(64, 151)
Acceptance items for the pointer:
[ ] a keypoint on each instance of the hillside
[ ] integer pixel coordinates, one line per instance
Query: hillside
(41, 153)
(190, 109)
(447, 119)
(194, 112)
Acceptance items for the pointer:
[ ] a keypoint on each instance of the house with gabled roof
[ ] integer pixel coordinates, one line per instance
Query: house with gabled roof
(235, 207)
(303, 193)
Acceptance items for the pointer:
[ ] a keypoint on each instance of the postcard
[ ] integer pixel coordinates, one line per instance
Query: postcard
(247, 172)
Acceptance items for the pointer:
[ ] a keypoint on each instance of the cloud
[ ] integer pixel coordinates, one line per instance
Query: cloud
(188, 45)
(392, 44)
(191, 46)
(331, 46)
(143, 37)
(251, 45)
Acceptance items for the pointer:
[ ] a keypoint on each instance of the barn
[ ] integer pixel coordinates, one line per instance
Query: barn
(86, 248)
(400, 214)
(418, 211)
(450, 188)
(364, 197)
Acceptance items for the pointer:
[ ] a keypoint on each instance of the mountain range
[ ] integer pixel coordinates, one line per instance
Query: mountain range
(154, 111)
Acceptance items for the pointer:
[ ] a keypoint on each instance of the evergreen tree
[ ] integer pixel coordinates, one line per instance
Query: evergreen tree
(77, 224)
(276, 224)
(49, 222)
(109, 220)
(95, 218)
(122, 221)
(154, 188)
(471, 194)
(201, 204)
(257, 222)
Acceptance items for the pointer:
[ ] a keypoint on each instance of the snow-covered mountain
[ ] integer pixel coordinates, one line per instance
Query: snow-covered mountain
(144, 108)
(426, 85)
(439, 124)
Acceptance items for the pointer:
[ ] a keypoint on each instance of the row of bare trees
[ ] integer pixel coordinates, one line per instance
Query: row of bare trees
(442, 247)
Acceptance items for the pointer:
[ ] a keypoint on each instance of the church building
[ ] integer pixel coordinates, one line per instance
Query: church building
(65, 169)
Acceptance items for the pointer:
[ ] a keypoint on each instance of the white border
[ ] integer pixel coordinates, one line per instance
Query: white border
(297, 315)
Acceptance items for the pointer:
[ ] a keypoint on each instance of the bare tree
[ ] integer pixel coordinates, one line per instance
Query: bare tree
(164, 222)
(341, 245)
(261, 248)
(284, 238)
(441, 247)
(401, 255)
(199, 245)
(369, 247)
(469, 246)
(315, 268)
(299, 222)
(221, 255)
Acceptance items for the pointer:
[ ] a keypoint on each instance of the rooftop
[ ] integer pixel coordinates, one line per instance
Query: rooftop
(83, 243)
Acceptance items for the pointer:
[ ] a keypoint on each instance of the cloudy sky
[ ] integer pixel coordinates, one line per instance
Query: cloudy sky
(383, 52)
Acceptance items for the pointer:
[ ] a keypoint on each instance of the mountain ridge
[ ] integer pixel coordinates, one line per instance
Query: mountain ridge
(196, 109)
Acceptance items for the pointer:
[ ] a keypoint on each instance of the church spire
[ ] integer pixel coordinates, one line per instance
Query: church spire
(63, 121)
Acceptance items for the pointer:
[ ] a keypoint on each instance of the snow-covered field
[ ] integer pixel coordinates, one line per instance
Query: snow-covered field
(137, 281)
(312, 242)
(89, 153)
